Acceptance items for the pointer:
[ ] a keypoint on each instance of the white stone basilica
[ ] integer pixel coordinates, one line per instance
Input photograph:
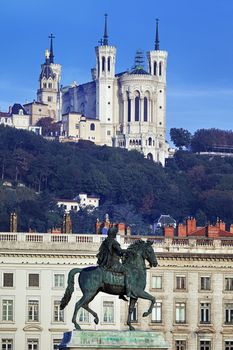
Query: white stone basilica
(125, 110)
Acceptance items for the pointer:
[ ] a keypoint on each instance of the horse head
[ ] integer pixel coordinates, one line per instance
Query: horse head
(150, 254)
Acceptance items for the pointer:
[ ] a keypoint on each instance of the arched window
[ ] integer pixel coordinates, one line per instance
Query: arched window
(130, 142)
(145, 109)
(140, 142)
(160, 68)
(150, 141)
(155, 68)
(109, 64)
(137, 101)
(103, 64)
(129, 110)
(92, 127)
(150, 156)
(136, 142)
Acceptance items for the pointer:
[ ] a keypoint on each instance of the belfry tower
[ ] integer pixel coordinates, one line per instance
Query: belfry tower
(157, 62)
(105, 77)
(49, 91)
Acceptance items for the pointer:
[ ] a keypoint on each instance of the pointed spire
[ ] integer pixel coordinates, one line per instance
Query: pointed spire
(157, 35)
(51, 55)
(105, 42)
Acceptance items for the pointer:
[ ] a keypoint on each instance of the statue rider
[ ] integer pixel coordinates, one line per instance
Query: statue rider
(109, 256)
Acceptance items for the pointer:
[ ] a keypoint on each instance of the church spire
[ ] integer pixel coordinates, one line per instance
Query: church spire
(105, 42)
(51, 55)
(157, 35)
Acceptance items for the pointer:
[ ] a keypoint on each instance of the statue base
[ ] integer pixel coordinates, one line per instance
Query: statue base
(85, 340)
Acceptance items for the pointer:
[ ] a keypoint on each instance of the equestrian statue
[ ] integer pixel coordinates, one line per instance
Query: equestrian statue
(119, 272)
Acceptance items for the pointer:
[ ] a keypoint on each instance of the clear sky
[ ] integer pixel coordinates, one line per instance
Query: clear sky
(196, 33)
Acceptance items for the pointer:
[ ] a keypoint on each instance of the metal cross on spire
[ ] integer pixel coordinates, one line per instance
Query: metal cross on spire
(51, 55)
(105, 42)
(157, 35)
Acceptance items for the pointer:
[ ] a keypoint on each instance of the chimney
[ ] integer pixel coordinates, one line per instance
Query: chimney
(191, 225)
(221, 225)
(182, 230)
(231, 228)
(212, 231)
(67, 224)
(121, 229)
(13, 222)
(169, 231)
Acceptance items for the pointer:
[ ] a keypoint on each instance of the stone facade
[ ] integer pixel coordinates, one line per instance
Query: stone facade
(193, 286)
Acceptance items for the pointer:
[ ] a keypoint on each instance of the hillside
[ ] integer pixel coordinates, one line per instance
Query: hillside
(131, 188)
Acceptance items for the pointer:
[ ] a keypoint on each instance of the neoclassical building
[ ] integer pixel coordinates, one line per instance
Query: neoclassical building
(193, 286)
(130, 106)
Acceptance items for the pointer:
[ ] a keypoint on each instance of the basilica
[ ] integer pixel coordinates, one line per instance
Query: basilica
(125, 109)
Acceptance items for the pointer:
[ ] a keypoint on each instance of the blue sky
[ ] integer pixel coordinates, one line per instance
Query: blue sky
(196, 33)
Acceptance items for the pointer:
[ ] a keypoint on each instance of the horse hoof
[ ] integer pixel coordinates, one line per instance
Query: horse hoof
(77, 327)
(145, 314)
(96, 320)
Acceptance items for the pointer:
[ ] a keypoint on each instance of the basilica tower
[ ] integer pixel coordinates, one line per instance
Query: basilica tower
(157, 63)
(49, 91)
(105, 79)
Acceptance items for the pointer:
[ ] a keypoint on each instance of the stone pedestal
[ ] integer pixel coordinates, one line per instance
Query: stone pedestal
(93, 340)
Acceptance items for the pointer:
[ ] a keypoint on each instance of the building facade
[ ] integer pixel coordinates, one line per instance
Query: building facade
(130, 106)
(193, 286)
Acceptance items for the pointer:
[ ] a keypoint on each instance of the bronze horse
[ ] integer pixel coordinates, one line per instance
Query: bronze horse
(93, 280)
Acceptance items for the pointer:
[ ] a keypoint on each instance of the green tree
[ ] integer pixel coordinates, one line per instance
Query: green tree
(180, 137)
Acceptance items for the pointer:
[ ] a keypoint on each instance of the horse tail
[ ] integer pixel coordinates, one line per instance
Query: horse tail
(70, 288)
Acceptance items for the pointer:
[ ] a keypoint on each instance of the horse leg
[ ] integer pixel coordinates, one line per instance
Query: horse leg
(144, 295)
(94, 314)
(83, 301)
(130, 310)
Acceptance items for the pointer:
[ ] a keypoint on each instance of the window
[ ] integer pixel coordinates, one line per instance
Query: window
(134, 315)
(109, 63)
(181, 282)
(56, 342)
(156, 315)
(44, 85)
(59, 280)
(58, 315)
(205, 283)
(145, 109)
(137, 102)
(160, 68)
(50, 99)
(32, 344)
(7, 344)
(180, 345)
(92, 126)
(76, 126)
(50, 85)
(8, 279)
(157, 282)
(33, 280)
(205, 345)
(228, 345)
(103, 64)
(83, 316)
(150, 141)
(7, 310)
(228, 310)
(205, 313)
(228, 283)
(33, 310)
(155, 68)
(129, 110)
(108, 312)
(108, 132)
(180, 312)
